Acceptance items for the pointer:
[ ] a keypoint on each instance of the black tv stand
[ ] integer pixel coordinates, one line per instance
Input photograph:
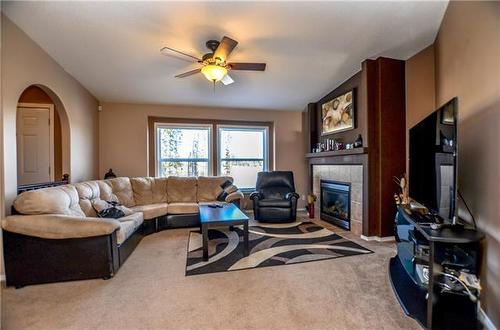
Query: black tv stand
(436, 301)
(456, 227)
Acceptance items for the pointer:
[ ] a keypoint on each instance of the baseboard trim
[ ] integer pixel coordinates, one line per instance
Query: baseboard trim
(378, 239)
(485, 320)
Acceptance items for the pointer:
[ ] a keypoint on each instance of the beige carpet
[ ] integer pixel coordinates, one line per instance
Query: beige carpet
(151, 292)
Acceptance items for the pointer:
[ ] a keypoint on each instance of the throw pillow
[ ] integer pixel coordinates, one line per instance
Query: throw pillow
(226, 191)
(226, 184)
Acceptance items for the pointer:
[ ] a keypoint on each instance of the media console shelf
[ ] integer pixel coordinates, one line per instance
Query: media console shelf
(436, 301)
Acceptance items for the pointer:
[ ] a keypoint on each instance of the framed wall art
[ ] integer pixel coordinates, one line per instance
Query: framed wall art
(337, 115)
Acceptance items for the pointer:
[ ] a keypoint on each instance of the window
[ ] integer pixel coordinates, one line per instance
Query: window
(201, 147)
(183, 150)
(242, 153)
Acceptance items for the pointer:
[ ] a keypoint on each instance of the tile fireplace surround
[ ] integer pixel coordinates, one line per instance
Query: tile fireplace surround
(352, 174)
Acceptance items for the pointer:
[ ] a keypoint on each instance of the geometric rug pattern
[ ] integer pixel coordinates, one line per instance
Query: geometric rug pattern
(270, 245)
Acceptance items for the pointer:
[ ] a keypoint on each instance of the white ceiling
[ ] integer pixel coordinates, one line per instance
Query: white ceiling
(112, 48)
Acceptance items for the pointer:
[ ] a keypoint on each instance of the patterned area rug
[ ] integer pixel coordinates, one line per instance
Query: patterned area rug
(270, 245)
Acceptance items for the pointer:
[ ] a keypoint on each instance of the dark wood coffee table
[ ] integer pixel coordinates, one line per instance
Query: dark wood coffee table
(228, 215)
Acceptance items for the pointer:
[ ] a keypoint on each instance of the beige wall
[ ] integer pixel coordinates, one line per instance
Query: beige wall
(420, 90)
(467, 65)
(124, 136)
(420, 86)
(24, 63)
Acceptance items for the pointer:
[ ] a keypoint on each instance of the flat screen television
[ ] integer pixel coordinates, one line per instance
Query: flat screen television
(433, 161)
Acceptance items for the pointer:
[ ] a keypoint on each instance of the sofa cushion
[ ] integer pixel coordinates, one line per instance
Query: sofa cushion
(228, 189)
(122, 189)
(209, 187)
(181, 189)
(137, 217)
(182, 208)
(128, 225)
(234, 196)
(143, 190)
(53, 200)
(106, 192)
(159, 187)
(57, 226)
(149, 190)
(151, 211)
(87, 192)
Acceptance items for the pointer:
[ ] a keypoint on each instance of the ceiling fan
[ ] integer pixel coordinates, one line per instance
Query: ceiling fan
(215, 65)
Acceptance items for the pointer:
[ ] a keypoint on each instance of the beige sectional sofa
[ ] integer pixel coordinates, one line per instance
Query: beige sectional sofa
(56, 234)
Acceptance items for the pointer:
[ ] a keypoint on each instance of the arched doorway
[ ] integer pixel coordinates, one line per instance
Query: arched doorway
(42, 134)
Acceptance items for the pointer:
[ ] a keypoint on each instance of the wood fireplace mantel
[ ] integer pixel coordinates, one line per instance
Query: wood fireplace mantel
(380, 120)
(355, 151)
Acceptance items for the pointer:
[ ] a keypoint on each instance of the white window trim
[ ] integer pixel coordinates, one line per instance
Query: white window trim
(243, 128)
(182, 125)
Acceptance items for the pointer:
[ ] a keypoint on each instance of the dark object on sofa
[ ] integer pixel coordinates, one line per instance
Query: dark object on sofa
(109, 174)
(275, 199)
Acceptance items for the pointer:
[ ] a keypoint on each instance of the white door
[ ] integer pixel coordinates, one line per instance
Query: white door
(34, 145)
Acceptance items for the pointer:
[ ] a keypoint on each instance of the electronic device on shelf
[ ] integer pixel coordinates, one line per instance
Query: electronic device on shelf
(414, 205)
(422, 273)
(436, 270)
(433, 164)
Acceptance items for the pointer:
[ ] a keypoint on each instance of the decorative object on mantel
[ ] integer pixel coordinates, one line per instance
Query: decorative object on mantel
(337, 115)
(359, 142)
(319, 147)
(311, 199)
(403, 197)
(109, 174)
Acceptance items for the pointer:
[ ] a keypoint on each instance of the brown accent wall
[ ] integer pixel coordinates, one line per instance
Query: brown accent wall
(360, 113)
(124, 136)
(385, 97)
(35, 94)
(467, 65)
(380, 119)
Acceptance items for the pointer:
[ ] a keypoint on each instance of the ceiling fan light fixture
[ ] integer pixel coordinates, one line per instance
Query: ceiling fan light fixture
(214, 72)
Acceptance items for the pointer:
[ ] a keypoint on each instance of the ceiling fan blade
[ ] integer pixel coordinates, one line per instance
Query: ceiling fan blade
(225, 48)
(248, 66)
(189, 73)
(168, 51)
(227, 80)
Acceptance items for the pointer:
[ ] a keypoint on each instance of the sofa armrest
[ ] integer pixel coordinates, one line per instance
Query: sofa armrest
(255, 195)
(55, 226)
(234, 196)
(291, 195)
